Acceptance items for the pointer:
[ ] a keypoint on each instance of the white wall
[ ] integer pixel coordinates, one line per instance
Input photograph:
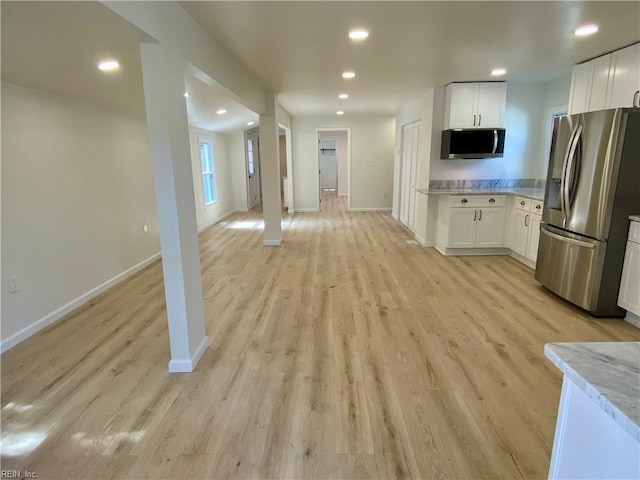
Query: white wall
(208, 215)
(522, 158)
(372, 140)
(238, 171)
(77, 188)
(555, 100)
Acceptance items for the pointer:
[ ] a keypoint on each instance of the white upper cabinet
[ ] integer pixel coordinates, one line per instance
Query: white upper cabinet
(625, 77)
(581, 81)
(609, 81)
(475, 105)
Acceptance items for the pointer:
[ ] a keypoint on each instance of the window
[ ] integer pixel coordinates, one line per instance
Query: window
(251, 166)
(208, 172)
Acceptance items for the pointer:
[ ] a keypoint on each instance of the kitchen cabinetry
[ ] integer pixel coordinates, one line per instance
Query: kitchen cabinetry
(609, 81)
(468, 222)
(624, 77)
(526, 217)
(475, 105)
(629, 296)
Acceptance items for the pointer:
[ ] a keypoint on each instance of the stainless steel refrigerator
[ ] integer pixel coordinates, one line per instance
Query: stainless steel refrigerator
(593, 185)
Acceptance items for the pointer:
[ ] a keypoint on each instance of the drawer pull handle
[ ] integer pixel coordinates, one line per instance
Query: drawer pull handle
(522, 203)
(464, 200)
(526, 224)
(492, 200)
(475, 215)
(538, 207)
(480, 216)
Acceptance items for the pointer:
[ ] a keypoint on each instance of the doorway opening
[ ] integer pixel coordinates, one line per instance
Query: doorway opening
(334, 165)
(252, 150)
(286, 168)
(410, 149)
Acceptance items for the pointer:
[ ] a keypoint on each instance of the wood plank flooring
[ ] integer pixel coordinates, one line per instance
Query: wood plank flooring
(344, 353)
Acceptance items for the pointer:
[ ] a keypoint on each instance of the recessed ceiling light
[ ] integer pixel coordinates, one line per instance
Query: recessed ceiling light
(343, 96)
(339, 112)
(108, 65)
(585, 30)
(186, 94)
(222, 111)
(348, 74)
(358, 34)
(250, 123)
(496, 72)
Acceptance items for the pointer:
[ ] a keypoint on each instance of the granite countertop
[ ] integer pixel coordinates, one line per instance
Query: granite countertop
(534, 193)
(634, 218)
(608, 372)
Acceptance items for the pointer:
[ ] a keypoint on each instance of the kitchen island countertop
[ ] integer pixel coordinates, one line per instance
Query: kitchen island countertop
(608, 373)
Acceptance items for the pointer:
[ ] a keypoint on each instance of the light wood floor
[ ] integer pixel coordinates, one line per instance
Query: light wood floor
(344, 353)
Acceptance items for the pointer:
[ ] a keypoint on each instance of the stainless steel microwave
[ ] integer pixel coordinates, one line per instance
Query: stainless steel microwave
(472, 143)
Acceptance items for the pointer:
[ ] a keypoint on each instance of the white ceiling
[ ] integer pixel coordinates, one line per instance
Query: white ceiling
(55, 46)
(299, 49)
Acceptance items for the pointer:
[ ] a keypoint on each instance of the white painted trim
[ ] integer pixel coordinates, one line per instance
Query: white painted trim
(371, 209)
(240, 210)
(474, 251)
(307, 210)
(423, 242)
(633, 319)
(524, 260)
(217, 220)
(272, 243)
(188, 365)
(48, 319)
(395, 216)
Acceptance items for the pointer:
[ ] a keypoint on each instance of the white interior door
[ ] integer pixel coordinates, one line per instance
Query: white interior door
(409, 172)
(415, 148)
(328, 161)
(405, 172)
(252, 144)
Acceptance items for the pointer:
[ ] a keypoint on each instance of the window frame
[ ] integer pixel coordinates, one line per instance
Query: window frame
(205, 173)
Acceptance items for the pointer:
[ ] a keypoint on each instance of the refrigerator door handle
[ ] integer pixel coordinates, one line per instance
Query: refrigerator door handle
(562, 238)
(568, 174)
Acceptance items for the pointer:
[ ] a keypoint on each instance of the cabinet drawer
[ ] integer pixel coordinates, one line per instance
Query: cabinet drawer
(634, 232)
(477, 200)
(536, 207)
(523, 203)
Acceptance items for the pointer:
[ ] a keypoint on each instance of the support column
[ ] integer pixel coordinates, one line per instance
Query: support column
(270, 173)
(163, 78)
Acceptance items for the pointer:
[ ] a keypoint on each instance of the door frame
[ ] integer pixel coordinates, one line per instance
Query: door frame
(317, 137)
(287, 139)
(413, 174)
(256, 148)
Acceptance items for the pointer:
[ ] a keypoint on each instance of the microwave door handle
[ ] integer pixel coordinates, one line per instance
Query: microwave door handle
(563, 177)
(570, 173)
(495, 141)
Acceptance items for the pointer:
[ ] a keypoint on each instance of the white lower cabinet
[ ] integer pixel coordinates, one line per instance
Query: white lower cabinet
(525, 230)
(474, 221)
(629, 297)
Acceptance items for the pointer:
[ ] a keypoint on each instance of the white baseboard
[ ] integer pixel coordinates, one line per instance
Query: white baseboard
(240, 210)
(395, 216)
(474, 251)
(272, 243)
(189, 364)
(48, 319)
(217, 220)
(423, 242)
(524, 260)
(633, 319)
(371, 209)
(307, 210)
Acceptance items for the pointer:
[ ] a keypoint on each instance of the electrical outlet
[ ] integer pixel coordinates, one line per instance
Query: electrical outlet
(145, 229)
(13, 284)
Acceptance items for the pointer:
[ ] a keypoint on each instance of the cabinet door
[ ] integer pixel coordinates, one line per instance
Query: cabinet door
(490, 227)
(534, 237)
(599, 83)
(581, 88)
(624, 77)
(462, 106)
(520, 232)
(492, 98)
(462, 226)
(629, 296)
